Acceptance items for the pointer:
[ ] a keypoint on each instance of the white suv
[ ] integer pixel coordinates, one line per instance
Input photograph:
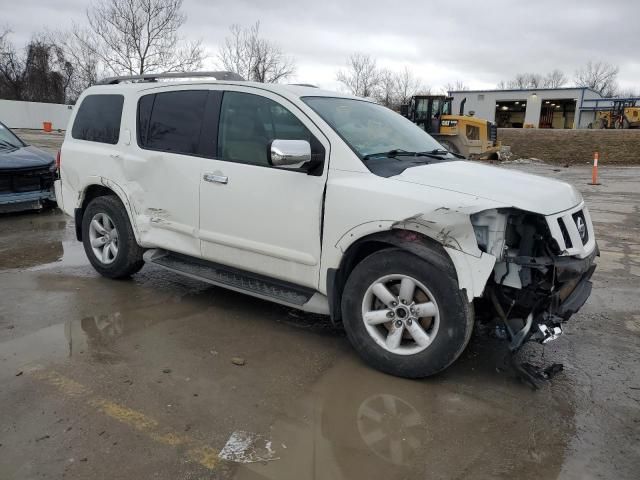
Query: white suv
(326, 203)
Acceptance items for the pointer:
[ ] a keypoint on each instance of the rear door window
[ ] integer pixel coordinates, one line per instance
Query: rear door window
(172, 121)
(98, 119)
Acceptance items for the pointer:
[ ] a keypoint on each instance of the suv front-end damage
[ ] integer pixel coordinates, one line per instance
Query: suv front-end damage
(542, 272)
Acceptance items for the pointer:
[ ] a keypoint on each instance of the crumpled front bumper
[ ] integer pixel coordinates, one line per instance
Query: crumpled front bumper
(574, 276)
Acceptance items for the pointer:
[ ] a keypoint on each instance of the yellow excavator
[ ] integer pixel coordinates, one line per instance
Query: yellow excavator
(462, 134)
(623, 114)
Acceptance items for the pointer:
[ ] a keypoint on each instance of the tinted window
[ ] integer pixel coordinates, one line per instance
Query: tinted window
(145, 105)
(174, 121)
(249, 123)
(98, 119)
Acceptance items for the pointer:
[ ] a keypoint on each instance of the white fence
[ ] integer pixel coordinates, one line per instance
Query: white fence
(15, 114)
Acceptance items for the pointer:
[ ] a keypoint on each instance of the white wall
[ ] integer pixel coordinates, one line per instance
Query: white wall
(15, 114)
(484, 102)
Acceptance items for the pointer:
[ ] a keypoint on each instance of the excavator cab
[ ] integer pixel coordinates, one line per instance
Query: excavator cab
(463, 134)
(426, 111)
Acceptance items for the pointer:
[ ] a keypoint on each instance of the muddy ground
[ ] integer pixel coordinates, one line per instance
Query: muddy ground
(135, 379)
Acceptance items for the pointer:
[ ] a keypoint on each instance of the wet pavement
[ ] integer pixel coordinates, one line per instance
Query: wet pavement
(135, 379)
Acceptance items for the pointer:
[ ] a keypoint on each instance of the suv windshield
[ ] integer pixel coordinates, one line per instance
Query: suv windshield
(372, 130)
(8, 139)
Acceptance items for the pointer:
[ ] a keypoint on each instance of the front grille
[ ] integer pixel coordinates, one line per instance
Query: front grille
(20, 181)
(572, 230)
(581, 226)
(565, 233)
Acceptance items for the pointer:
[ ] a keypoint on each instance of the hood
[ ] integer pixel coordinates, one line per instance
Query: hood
(531, 193)
(24, 157)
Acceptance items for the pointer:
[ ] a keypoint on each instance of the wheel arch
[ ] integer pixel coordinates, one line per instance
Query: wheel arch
(413, 242)
(101, 187)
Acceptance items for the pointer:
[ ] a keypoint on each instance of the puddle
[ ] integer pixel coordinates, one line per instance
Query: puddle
(470, 423)
(72, 255)
(30, 239)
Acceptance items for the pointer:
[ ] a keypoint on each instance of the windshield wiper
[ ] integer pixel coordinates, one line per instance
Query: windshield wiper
(390, 154)
(437, 153)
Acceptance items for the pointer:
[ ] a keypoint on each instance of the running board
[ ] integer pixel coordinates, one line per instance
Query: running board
(239, 280)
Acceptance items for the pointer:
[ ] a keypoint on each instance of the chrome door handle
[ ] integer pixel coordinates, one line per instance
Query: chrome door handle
(210, 177)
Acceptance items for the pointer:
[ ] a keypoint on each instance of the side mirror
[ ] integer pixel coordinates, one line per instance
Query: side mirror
(289, 153)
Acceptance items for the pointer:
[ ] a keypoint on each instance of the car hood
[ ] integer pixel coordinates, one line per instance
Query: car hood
(531, 193)
(24, 157)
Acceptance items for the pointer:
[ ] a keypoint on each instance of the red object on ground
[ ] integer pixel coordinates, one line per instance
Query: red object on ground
(46, 126)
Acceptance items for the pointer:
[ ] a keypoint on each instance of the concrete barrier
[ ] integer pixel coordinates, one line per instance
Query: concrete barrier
(573, 146)
(15, 114)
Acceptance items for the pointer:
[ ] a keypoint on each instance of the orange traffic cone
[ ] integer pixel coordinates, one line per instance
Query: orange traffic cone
(594, 171)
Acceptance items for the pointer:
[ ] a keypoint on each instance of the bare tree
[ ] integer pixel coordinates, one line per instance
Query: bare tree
(407, 85)
(599, 76)
(457, 86)
(12, 68)
(554, 79)
(361, 75)
(135, 37)
(246, 53)
(396, 88)
(39, 72)
(87, 69)
(4, 34)
(387, 88)
(526, 80)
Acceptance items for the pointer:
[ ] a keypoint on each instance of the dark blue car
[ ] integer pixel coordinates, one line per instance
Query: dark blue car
(26, 174)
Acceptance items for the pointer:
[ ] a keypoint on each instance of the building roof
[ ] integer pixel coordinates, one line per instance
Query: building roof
(495, 90)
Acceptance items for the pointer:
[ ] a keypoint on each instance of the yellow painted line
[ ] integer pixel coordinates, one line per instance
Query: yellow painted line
(137, 420)
(205, 455)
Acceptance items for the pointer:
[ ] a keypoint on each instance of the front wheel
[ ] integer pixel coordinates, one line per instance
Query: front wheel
(405, 315)
(108, 238)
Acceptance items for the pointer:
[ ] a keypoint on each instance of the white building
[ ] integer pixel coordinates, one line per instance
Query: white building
(533, 108)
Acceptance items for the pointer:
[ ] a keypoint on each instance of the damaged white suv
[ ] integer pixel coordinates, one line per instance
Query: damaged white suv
(326, 203)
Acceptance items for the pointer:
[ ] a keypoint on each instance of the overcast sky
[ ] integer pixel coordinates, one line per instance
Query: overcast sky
(477, 42)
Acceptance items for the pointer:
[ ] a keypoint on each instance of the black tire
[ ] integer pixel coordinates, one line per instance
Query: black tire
(129, 257)
(456, 313)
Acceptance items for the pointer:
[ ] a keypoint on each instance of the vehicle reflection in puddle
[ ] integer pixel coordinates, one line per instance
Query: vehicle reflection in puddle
(358, 423)
(95, 335)
(390, 427)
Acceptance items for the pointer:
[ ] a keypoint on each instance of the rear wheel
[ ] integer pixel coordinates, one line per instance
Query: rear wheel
(108, 238)
(404, 315)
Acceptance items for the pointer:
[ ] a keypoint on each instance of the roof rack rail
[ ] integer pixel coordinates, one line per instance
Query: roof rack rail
(154, 77)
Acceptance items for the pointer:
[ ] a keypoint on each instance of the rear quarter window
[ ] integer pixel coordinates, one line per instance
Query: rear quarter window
(98, 119)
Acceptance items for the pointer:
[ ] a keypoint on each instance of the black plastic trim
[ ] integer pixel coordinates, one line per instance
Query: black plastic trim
(77, 218)
(236, 278)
